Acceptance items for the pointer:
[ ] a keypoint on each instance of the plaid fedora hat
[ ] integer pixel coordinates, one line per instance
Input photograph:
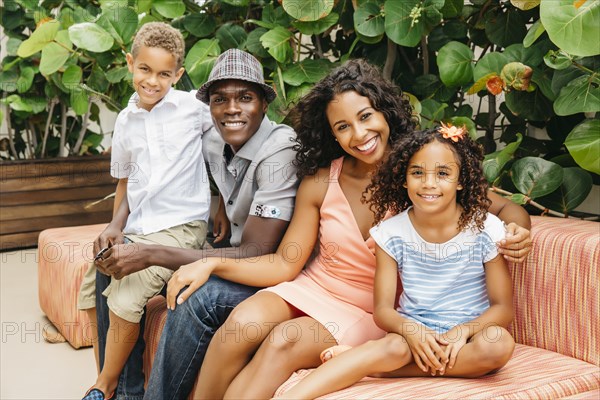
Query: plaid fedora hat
(236, 64)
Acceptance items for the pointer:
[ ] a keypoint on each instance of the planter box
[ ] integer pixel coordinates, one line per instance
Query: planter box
(40, 194)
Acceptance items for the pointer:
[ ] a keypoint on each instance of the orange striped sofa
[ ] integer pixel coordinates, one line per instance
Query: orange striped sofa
(556, 326)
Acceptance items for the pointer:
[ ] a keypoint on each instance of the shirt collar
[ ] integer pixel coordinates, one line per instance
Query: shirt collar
(170, 98)
(254, 144)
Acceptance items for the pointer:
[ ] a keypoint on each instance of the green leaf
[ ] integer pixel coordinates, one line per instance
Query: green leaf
(237, 3)
(575, 188)
(542, 77)
(37, 104)
(200, 25)
(452, 8)
(277, 43)
(16, 103)
(369, 20)
(72, 77)
(275, 16)
(580, 95)
(455, 63)
(12, 46)
(415, 104)
(54, 55)
(525, 4)
(563, 77)
(200, 60)
(505, 28)
(369, 40)
(575, 30)
(456, 29)
(316, 27)
(90, 36)
(518, 198)
(25, 79)
(533, 106)
(531, 56)
(536, 177)
(494, 163)
(407, 21)
(169, 8)
(583, 144)
(79, 101)
(254, 45)
(490, 63)
(467, 123)
(535, 31)
(231, 36)
(43, 35)
(558, 60)
(120, 22)
(303, 10)
(432, 112)
(307, 71)
(116, 74)
(142, 6)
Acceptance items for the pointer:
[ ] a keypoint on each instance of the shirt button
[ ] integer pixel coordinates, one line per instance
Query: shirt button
(234, 224)
(230, 202)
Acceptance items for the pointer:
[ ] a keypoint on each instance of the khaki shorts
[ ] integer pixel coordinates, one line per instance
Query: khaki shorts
(128, 296)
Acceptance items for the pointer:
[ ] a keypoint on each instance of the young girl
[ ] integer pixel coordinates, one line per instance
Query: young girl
(457, 295)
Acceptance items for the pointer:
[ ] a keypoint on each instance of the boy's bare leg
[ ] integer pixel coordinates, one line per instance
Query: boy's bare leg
(93, 332)
(235, 342)
(121, 338)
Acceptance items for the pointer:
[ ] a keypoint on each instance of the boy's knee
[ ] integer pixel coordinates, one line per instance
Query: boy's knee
(394, 346)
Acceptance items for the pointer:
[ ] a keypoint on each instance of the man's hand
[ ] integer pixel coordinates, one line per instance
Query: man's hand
(221, 225)
(192, 275)
(123, 259)
(517, 244)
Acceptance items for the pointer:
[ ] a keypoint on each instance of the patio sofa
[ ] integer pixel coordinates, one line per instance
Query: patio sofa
(556, 326)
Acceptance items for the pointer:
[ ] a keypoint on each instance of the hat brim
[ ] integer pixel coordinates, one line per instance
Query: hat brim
(202, 93)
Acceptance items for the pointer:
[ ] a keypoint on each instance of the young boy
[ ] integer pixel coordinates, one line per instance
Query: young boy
(157, 157)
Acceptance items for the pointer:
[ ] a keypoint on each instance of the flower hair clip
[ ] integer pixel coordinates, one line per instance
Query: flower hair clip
(451, 132)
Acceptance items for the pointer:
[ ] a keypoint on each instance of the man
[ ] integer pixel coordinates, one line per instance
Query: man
(251, 161)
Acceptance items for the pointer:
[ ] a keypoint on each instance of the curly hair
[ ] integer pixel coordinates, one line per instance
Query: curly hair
(164, 36)
(387, 191)
(316, 146)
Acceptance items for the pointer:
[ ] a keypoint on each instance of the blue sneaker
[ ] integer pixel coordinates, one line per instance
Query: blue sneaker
(96, 394)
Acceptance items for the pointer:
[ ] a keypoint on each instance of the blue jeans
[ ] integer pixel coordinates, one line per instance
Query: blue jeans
(131, 381)
(187, 333)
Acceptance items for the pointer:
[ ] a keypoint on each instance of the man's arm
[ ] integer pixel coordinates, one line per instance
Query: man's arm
(261, 236)
(517, 244)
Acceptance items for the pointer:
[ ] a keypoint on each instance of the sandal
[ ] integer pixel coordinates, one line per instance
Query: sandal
(333, 351)
(96, 394)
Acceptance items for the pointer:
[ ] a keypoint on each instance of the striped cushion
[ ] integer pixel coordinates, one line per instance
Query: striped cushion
(532, 373)
(556, 291)
(63, 257)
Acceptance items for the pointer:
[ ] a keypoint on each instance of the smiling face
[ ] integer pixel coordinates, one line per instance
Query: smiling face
(237, 109)
(361, 131)
(432, 178)
(154, 72)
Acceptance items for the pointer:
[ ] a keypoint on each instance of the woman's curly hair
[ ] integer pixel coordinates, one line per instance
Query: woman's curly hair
(387, 191)
(316, 146)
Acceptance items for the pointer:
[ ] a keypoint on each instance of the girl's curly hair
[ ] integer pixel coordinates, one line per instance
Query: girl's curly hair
(387, 191)
(316, 146)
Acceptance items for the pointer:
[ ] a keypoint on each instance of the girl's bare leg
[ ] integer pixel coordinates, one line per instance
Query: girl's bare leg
(386, 354)
(292, 345)
(236, 341)
(487, 351)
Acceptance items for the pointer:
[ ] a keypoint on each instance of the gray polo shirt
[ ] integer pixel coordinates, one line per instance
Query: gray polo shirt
(260, 179)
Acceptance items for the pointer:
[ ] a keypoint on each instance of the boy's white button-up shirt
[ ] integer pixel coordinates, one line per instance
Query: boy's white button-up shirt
(160, 152)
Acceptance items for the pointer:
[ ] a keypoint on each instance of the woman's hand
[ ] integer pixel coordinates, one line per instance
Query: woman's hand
(517, 244)
(191, 275)
(425, 347)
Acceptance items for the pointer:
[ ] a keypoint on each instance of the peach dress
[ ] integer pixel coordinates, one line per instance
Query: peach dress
(336, 287)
